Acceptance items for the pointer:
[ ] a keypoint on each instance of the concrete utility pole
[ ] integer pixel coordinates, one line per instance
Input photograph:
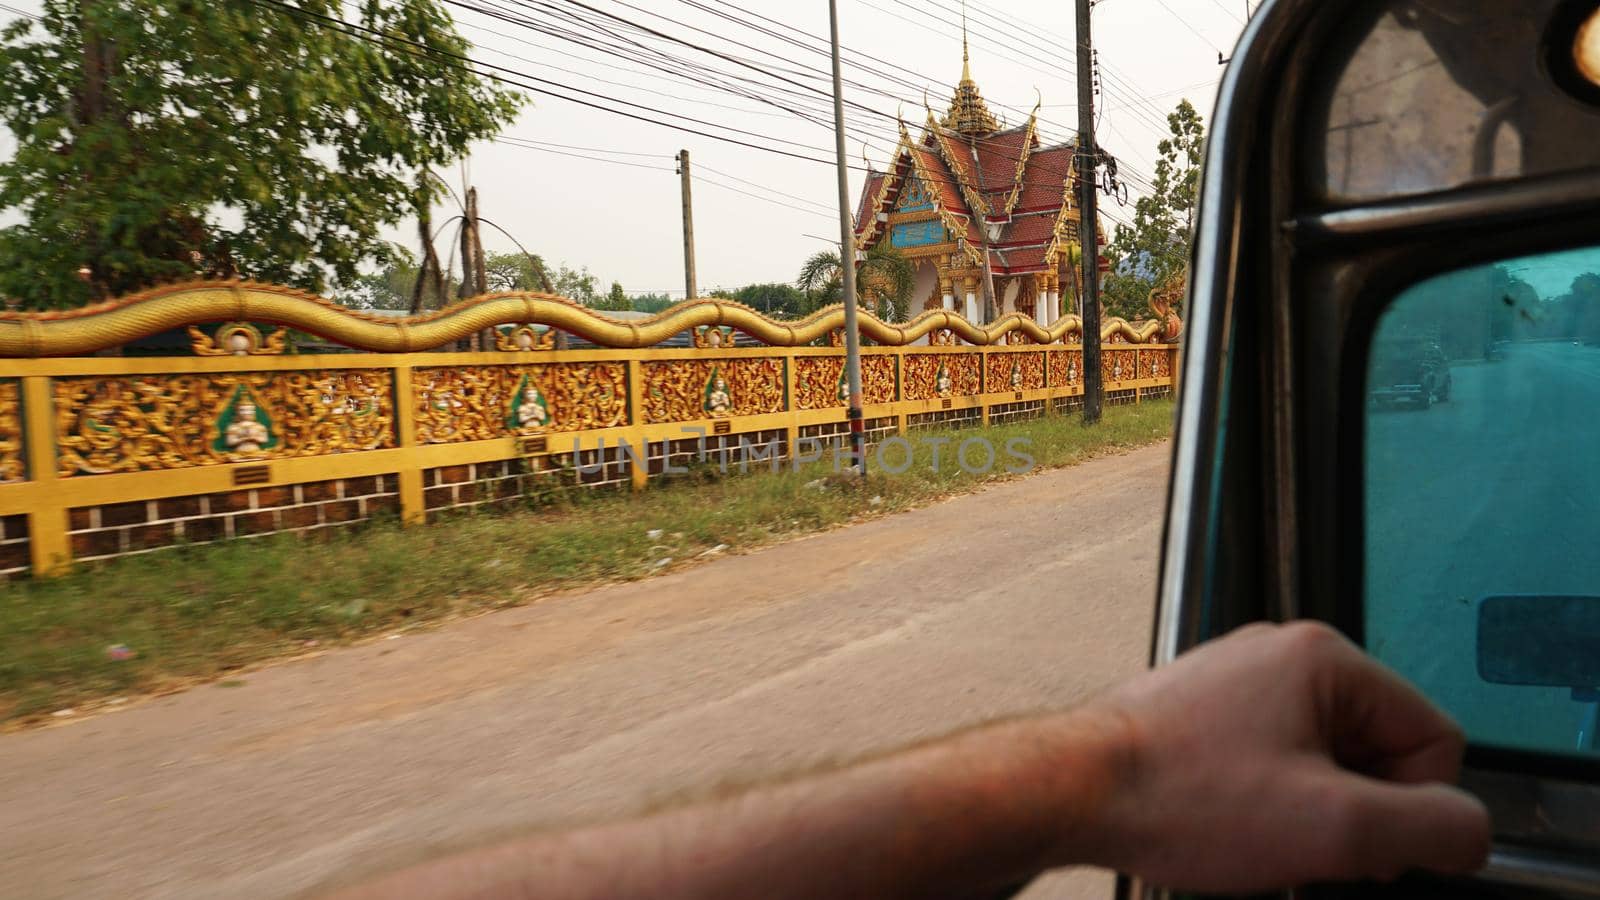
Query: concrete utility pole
(1088, 234)
(688, 226)
(847, 258)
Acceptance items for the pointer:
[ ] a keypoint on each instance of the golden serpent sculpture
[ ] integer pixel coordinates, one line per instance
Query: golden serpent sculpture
(117, 322)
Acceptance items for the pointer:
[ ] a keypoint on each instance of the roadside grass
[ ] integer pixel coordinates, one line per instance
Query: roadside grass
(200, 613)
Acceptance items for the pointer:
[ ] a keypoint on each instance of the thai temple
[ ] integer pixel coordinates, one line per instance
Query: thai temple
(987, 214)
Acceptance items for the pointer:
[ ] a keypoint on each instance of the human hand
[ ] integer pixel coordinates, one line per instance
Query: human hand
(1280, 755)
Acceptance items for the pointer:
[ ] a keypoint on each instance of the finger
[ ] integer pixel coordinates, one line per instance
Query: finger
(1378, 724)
(1381, 830)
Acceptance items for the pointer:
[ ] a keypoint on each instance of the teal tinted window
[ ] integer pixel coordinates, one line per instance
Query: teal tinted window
(1482, 497)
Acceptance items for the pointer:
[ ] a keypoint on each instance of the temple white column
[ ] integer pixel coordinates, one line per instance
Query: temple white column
(1041, 301)
(947, 292)
(971, 312)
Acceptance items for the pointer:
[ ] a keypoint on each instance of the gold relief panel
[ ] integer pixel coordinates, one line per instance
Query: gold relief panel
(819, 381)
(12, 461)
(1015, 372)
(1066, 368)
(683, 390)
(479, 403)
(1155, 363)
(136, 423)
(1119, 365)
(931, 375)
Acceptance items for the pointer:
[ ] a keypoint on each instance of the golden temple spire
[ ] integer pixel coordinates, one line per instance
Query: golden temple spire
(968, 113)
(966, 61)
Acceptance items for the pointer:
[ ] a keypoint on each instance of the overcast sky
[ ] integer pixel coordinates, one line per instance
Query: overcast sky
(624, 221)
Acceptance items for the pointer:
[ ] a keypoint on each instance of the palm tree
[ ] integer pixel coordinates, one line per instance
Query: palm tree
(885, 281)
(821, 278)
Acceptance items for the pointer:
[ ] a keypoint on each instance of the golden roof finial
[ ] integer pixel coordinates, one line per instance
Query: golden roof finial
(968, 114)
(966, 60)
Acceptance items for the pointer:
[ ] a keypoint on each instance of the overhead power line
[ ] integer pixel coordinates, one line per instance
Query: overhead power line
(615, 47)
(705, 168)
(594, 149)
(728, 187)
(514, 142)
(511, 77)
(1118, 84)
(1192, 30)
(659, 61)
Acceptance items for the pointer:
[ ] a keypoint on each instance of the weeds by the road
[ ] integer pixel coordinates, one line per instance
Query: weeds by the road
(201, 612)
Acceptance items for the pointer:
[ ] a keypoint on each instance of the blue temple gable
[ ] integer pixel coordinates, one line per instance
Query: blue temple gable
(914, 197)
(918, 234)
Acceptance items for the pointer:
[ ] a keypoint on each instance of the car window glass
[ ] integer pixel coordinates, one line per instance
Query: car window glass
(1426, 96)
(1482, 497)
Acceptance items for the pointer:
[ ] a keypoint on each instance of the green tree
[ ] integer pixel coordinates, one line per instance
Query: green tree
(821, 278)
(615, 299)
(516, 272)
(885, 281)
(1156, 248)
(652, 303)
(164, 139)
(391, 286)
(577, 284)
(772, 299)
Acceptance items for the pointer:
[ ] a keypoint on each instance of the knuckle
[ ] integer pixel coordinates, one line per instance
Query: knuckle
(1312, 638)
(1256, 629)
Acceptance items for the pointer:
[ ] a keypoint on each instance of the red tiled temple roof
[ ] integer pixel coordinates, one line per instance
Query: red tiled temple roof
(1020, 187)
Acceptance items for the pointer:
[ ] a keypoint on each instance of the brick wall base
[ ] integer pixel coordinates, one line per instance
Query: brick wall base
(120, 529)
(874, 430)
(14, 547)
(945, 418)
(1016, 412)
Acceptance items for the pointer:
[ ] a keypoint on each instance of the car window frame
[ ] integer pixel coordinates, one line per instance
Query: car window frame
(1249, 347)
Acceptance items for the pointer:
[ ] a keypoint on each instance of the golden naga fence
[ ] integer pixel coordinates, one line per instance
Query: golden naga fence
(103, 456)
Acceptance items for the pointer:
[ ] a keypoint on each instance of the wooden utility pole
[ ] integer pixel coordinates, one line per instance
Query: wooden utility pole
(1088, 233)
(688, 226)
(429, 272)
(847, 259)
(480, 260)
(474, 269)
(469, 268)
(478, 264)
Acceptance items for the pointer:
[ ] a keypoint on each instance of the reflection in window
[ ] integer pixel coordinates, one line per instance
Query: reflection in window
(1428, 96)
(1483, 480)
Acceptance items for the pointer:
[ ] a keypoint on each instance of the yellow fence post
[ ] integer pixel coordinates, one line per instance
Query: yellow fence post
(413, 508)
(639, 459)
(983, 387)
(791, 402)
(47, 517)
(901, 417)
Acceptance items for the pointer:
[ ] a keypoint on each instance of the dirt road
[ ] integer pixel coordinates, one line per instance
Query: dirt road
(1030, 595)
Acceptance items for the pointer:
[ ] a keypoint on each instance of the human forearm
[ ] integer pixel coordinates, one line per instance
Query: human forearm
(1270, 758)
(990, 807)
